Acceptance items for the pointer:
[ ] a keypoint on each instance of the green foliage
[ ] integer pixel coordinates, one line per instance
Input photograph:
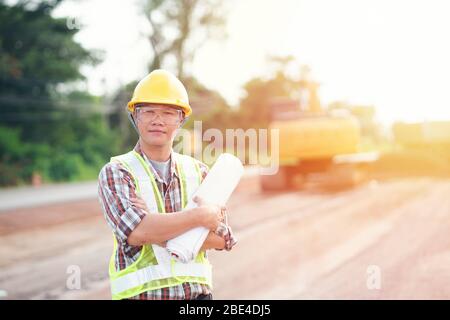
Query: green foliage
(10, 151)
(37, 53)
(77, 161)
(66, 166)
(60, 136)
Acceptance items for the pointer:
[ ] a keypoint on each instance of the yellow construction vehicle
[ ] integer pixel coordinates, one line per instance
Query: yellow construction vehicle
(315, 145)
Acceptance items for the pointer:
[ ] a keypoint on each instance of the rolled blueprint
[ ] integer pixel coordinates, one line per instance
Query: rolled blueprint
(216, 189)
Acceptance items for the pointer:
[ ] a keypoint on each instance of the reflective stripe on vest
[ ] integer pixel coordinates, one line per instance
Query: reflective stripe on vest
(167, 267)
(158, 272)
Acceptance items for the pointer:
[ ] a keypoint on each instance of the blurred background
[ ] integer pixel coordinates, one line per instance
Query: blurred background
(358, 91)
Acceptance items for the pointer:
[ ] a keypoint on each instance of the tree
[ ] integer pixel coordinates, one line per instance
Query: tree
(290, 83)
(256, 106)
(59, 133)
(37, 53)
(179, 28)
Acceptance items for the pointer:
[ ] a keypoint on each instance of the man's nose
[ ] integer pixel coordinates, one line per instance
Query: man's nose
(157, 119)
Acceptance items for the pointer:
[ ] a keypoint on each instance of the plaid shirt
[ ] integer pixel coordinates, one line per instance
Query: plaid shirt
(116, 186)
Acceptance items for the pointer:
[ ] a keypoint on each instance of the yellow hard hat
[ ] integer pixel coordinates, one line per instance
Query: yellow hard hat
(161, 87)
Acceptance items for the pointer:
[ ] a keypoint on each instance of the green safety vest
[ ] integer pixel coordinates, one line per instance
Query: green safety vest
(155, 268)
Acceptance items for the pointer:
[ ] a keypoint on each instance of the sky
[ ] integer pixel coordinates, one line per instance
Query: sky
(394, 55)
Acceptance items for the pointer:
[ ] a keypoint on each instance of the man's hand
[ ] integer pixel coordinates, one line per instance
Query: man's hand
(213, 241)
(225, 232)
(227, 240)
(210, 215)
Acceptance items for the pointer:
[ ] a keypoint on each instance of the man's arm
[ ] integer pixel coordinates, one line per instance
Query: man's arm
(159, 228)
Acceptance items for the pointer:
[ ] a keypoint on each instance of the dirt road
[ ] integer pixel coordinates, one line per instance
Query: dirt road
(295, 245)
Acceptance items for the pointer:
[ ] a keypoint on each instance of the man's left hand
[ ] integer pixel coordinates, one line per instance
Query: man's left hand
(226, 233)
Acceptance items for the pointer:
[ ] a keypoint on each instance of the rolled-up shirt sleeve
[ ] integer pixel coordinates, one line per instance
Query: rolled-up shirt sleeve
(115, 189)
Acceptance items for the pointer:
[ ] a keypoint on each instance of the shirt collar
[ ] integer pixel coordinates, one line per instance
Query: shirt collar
(172, 169)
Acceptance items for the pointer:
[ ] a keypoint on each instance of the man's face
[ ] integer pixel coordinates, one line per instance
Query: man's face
(158, 124)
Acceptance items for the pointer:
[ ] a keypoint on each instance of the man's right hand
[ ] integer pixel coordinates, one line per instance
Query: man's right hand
(210, 215)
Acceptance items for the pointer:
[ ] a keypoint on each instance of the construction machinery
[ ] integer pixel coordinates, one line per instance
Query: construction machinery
(430, 136)
(315, 145)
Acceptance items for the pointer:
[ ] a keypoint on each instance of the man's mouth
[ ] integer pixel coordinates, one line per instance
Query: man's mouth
(156, 131)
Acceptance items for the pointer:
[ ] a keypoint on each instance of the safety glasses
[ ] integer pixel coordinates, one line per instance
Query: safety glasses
(168, 115)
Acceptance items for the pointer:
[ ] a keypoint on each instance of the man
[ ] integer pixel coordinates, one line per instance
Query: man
(140, 267)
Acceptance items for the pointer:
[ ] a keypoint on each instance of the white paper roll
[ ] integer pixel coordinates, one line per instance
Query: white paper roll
(216, 188)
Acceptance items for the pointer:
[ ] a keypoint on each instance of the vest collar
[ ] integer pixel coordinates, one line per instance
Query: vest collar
(173, 165)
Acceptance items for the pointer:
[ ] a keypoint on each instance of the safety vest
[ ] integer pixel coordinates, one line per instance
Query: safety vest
(156, 268)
